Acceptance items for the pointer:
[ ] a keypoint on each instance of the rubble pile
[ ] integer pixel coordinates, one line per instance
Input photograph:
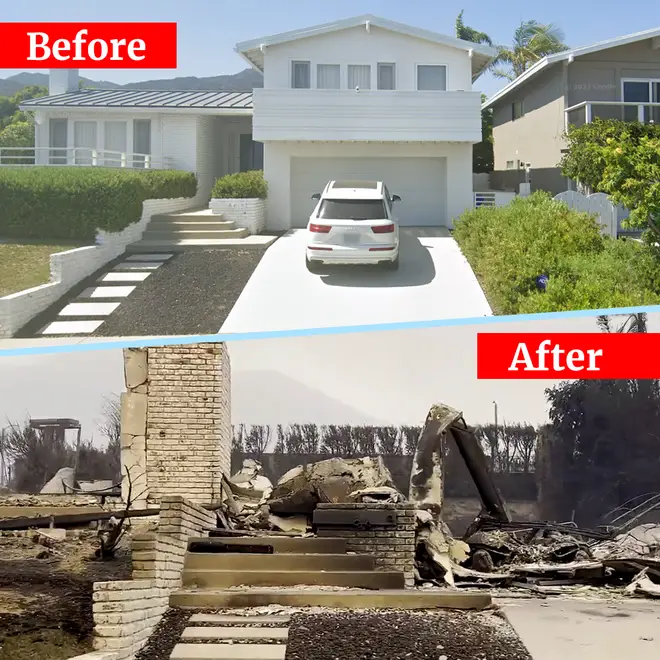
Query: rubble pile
(495, 552)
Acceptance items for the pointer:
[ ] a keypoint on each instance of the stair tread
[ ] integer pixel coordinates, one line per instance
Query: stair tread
(229, 652)
(235, 632)
(203, 617)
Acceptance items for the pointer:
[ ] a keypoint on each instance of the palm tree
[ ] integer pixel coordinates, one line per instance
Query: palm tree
(470, 34)
(634, 323)
(532, 41)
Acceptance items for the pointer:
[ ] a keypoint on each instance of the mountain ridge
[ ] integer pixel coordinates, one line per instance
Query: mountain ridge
(245, 80)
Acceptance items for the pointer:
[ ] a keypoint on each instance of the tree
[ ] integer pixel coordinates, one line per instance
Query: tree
(257, 440)
(633, 323)
(470, 34)
(110, 428)
(532, 41)
(389, 440)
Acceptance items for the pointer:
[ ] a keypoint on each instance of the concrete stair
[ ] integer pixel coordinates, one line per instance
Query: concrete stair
(227, 637)
(197, 227)
(217, 567)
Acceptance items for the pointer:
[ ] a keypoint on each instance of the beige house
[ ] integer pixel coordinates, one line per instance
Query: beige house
(618, 78)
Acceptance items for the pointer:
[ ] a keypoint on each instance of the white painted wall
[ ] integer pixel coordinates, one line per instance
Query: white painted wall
(226, 143)
(277, 170)
(357, 46)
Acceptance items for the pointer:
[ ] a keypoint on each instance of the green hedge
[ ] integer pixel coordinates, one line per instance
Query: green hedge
(508, 247)
(242, 185)
(73, 202)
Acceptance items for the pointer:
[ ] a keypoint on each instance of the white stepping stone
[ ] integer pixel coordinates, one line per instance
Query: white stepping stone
(124, 277)
(89, 309)
(229, 652)
(224, 619)
(107, 292)
(71, 327)
(235, 632)
(138, 265)
(149, 257)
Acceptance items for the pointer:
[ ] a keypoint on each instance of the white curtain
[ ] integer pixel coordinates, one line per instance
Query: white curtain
(386, 76)
(300, 75)
(84, 139)
(327, 76)
(432, 77)
(359, 75)
(115, 140)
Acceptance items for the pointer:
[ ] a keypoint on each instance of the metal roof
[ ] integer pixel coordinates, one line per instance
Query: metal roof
(253, 51)
(141, 98)
(570, 55)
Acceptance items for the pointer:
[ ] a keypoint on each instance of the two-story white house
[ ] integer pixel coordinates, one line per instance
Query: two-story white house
(361, 98)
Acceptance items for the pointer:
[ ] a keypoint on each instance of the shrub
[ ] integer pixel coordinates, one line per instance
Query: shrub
(242, 185)
(73, 202)
(509, 246)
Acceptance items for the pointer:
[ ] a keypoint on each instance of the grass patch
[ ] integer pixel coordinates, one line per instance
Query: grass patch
(509, 247)
(25, 265)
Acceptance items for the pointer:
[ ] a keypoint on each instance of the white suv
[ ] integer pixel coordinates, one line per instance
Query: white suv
(353, 223)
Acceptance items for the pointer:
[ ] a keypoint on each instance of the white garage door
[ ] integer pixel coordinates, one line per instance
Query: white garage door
(420, 182)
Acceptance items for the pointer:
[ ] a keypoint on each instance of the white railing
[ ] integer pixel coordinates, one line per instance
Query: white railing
(587, 111)
(493, 198)
(81, 156)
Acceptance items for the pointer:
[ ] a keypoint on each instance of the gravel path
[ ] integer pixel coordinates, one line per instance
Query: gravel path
(166, 635)
(192, 293)
(441, 635)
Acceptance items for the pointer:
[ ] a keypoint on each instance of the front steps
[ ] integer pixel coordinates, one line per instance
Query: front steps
(226, 637)
(216, 568)
(191, 228)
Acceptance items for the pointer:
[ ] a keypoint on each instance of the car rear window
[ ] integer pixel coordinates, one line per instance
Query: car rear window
(352, 209)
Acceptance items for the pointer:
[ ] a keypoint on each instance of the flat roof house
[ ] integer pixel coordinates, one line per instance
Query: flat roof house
(615, 79)
(361, 98)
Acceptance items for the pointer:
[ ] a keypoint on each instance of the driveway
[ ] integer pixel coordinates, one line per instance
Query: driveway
(562, 629)
(434, 281)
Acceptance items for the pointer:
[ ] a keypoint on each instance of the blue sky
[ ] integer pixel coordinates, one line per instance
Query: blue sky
(208, 29)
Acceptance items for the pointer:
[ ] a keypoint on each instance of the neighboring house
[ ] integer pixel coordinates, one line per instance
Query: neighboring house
(618, 78)
(358, 98)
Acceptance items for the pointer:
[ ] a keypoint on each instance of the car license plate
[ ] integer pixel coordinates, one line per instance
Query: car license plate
(351, 238)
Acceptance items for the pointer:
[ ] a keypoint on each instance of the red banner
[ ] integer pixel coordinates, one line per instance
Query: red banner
(88, 45)
(567, 356)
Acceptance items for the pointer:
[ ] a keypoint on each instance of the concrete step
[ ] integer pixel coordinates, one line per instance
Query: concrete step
(278, 562)
(221, 633)
(264, 578)
(229, 652)
(167, 223)
(229, 619)
(165, 234)
(350, 599)
(200, 212)
(297, 545)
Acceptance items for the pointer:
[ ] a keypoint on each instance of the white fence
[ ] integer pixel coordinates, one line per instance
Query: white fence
(493, 198)
(597, 204)
(30, 156)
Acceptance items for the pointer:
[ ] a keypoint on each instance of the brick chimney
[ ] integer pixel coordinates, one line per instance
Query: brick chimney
(63, 81)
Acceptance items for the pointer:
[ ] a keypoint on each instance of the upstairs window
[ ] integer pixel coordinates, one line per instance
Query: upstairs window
(517, 110)
(359, 75)
(328, 76)
(300, 75)
(432, 77)
(386, 75)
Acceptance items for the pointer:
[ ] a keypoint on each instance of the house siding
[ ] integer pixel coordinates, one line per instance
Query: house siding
(205, 158)
(536, 137)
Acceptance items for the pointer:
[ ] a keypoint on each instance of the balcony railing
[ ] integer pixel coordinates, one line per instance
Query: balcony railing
(587, 111)
(78, 156)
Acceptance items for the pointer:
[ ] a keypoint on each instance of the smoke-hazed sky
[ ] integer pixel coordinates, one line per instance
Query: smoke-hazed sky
(388, 377)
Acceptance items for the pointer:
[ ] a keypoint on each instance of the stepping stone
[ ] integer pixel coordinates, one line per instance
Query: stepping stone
(89, 309)
(149, 257)
(124, 277)
(229, 652)
(138, 265)
(235, 632)
(71, 327)
(227, 619)
(107, 292)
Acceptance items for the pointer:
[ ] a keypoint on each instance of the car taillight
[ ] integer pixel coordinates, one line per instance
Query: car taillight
(383, 229)
(320, 229)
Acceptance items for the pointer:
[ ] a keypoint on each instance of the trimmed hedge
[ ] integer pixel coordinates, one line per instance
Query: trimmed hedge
(508, 247)
(241, 185)
(73, 202)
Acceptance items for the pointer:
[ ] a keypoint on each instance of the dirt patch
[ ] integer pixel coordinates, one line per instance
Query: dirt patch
(397, 635)
(46, 604)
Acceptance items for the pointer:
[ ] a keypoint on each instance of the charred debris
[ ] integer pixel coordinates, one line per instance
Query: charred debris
(495, 551)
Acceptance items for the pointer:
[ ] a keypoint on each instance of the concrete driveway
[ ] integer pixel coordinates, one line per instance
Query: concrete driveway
(563, 629)
(434, 281)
